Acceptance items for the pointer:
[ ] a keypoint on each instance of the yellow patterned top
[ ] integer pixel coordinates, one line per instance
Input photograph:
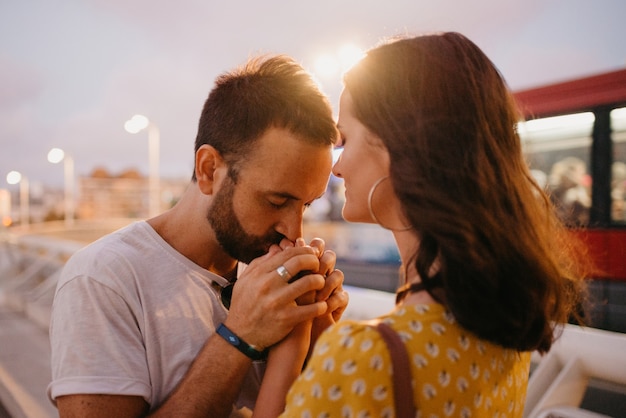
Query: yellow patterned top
(454, 373)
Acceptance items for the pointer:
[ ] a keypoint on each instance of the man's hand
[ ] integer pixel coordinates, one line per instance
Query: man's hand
(263, 308)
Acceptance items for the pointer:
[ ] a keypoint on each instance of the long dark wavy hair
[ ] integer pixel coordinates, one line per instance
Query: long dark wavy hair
(509, 271)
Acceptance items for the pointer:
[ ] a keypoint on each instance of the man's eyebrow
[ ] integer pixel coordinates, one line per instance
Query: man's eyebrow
(292, 197)
(284, 195)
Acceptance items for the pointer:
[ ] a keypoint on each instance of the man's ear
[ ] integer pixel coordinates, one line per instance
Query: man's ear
(210, 168)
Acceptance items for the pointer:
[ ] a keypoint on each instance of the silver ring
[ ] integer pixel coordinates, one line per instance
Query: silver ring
(283, 273)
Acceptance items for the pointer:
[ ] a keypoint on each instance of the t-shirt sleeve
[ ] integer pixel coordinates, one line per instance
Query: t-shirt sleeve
(96, 343)
(349, 374)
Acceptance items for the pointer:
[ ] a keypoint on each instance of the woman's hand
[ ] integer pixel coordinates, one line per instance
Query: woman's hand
(284, 364)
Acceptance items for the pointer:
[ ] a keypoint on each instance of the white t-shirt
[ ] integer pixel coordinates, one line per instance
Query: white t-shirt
(130, 314)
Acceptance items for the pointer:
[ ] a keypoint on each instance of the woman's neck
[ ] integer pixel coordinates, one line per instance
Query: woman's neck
(408, 244)
(417, 298)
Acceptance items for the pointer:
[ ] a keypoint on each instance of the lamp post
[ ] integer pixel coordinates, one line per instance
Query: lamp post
(136, 124)
(55, 156)
(15, 177)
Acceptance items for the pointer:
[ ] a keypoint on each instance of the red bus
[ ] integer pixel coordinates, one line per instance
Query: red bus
(574, 138)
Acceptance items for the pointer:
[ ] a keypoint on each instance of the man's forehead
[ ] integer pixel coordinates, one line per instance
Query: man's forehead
(282, 162)
(306, 187)
(297, 183)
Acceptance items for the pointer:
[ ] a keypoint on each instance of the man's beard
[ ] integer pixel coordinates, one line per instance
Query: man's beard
(229, 232)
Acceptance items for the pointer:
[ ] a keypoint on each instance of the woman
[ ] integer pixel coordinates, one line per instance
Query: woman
(431, 152)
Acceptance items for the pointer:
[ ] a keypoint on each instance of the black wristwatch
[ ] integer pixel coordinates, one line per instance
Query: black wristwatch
(241, 345)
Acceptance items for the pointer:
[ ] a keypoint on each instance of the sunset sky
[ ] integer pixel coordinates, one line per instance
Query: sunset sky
(73, 71)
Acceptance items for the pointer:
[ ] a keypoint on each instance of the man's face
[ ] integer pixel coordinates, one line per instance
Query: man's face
(230, 233)
(280, 178)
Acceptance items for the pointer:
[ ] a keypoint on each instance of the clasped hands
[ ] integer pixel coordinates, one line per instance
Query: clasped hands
(270, 299)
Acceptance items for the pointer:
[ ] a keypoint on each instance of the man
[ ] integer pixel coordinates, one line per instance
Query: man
(142, 320)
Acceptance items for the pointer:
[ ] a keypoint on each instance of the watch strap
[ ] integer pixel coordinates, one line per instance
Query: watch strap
(241, 345)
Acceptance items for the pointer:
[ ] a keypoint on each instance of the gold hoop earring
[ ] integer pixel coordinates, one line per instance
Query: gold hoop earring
(371, 208)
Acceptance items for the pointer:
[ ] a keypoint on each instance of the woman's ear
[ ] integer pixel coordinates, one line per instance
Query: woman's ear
(210, 167)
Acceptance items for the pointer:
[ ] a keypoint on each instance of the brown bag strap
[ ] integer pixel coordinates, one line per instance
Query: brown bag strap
(402, 388)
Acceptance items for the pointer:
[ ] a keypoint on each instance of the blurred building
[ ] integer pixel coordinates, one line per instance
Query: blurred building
(5, 207)
(103, 195)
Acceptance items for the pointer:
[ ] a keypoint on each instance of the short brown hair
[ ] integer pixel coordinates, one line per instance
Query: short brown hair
(268, 91)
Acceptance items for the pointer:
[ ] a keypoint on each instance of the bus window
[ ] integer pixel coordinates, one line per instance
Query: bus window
(558, 152)
(618, 169)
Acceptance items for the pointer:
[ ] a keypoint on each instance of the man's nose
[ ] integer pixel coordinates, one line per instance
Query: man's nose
(291, 225)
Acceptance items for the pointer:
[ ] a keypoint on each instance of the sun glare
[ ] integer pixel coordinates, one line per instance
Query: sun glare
(332, 64)
(326, 66)
(349, 55)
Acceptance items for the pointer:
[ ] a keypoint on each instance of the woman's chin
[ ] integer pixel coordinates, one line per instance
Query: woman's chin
(355, 217)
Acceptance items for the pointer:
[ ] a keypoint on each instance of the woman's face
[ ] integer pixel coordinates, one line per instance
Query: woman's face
(364, 161)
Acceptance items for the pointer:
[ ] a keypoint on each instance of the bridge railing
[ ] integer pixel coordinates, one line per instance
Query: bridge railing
(29, 269)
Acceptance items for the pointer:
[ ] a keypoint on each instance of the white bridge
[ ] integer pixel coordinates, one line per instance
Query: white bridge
(584, 375)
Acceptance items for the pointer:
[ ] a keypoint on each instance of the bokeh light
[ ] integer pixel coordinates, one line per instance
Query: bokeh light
(14, 177)
(136, 124)
(56, 155)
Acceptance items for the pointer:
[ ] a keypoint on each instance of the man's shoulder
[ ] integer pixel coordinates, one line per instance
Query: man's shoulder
(129, 238)
(113, 252)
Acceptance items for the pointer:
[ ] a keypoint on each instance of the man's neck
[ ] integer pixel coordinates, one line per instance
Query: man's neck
(195, 241)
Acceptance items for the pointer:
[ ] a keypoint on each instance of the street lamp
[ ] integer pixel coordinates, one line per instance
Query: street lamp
(15, 177)
(55, 156)
(136, 124)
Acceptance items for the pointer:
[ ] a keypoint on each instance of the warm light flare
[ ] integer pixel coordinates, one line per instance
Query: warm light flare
(349, 55)
(331, 64)
(326, 66)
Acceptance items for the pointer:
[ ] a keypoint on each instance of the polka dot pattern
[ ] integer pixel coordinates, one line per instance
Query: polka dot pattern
(454, 374)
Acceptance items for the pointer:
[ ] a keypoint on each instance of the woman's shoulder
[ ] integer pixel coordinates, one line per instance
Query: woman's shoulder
(398, 319)
(363, 334)
(348, 337)
(343, 332)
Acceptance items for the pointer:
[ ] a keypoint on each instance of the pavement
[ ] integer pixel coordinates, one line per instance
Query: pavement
(24, 367)
(30, 259)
